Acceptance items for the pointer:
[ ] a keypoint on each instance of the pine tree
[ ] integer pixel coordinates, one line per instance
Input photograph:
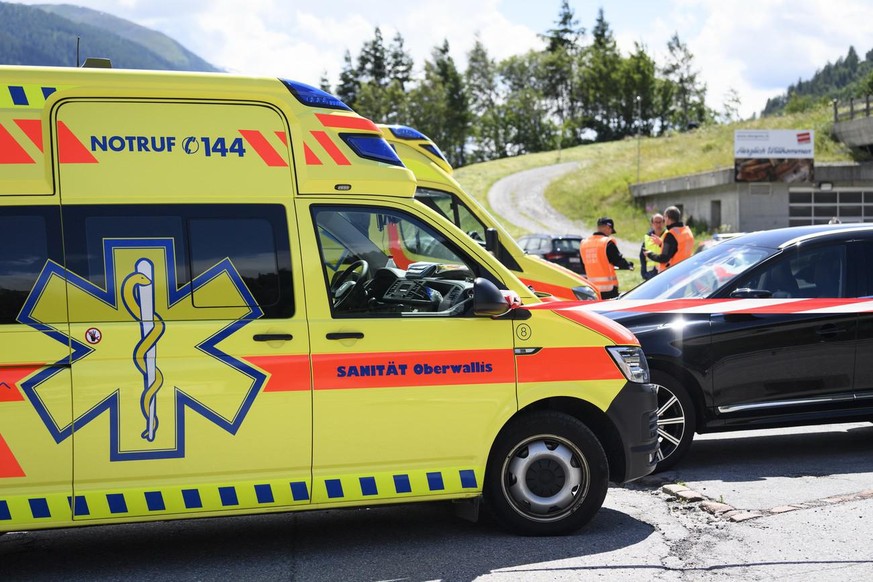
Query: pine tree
(349, 85)
(689, 93)
(400, 62)
(484, 97)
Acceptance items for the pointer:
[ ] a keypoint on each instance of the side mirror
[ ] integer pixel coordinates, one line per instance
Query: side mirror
(492, 242)
(746, 293)
(487, 299)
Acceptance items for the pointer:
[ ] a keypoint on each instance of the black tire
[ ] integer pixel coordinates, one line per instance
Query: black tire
(677, 420)
(547, 475)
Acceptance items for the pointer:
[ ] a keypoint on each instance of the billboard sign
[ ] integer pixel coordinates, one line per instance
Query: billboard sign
(774, 155)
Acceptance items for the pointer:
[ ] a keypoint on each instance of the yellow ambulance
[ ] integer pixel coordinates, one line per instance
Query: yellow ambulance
(439, 190)
(203, 312)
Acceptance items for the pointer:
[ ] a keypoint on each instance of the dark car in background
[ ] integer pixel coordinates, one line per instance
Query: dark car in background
(562, 249)
(768, 329)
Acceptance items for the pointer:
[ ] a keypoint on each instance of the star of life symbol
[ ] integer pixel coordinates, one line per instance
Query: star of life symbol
(146, 308)
(138, 294)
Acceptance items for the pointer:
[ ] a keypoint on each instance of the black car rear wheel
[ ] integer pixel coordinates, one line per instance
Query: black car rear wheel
(677, 420)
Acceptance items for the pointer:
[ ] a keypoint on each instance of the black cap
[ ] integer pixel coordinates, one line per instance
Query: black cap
(606, 221)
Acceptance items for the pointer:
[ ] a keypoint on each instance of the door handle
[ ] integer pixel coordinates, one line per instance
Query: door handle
(272, 337)
(829, 330)
(341, 335)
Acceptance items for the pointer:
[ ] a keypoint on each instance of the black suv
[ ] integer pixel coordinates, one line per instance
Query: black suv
(769, 329)
(562, 249)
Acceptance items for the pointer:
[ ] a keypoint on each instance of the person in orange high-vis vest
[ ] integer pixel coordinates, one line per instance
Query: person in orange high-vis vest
(600, 256)
(677, 244)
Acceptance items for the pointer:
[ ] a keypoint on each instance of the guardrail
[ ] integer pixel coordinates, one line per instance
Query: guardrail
(851, 109)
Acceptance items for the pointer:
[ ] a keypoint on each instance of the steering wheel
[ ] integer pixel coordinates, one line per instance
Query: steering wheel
(343, 287)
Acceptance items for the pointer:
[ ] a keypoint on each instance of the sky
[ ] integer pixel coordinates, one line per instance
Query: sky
(756, 48)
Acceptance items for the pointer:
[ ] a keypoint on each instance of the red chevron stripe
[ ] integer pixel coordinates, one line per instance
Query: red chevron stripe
(11, 151)
(9, 466)
(263, 148)
(311, 158)
(33, 129)
(70, 149)
(331, 149)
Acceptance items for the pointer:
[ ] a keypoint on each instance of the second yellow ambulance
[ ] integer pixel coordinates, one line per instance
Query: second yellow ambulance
(439, 190)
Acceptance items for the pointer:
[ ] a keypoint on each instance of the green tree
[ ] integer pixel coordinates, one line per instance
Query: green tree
(731, 106)
(324, 82)
(349, 86)
(688, 107)
(373, 61)
(400, 62)
(558, 70)
(638, 81)
(602, 82)
(447, 121)
(525, 110)
(382, 74)
(488, 133)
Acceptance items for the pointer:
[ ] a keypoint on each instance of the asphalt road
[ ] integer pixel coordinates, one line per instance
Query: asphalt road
(520, 199)
(801, 504)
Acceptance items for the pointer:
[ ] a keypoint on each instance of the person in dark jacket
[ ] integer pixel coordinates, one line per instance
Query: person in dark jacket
(601, 258)
(678, 242)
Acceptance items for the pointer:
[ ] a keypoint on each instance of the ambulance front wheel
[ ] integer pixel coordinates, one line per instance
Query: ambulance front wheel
(547, 475)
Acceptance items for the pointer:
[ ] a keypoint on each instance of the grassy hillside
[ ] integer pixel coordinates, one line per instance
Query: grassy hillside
(602, 184)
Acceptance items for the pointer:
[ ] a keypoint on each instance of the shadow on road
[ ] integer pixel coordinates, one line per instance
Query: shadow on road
(412, 542)
(758, 455)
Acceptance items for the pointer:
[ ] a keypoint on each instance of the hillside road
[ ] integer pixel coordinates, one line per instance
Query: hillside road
(520, 199)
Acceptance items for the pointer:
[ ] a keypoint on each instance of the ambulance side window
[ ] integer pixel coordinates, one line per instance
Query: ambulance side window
(384, 262)
(31, 237)
(245, 242)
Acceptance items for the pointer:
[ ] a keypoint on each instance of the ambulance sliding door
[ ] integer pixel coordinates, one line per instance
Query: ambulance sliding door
(196, 394)
(35, 400)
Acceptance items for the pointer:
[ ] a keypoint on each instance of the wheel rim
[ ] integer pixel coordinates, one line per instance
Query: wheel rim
(671, 422)
(545, 478)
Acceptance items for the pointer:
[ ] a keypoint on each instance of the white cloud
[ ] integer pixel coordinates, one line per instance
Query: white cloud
(756, 47)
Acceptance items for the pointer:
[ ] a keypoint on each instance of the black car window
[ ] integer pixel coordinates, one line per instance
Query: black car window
(803, 273)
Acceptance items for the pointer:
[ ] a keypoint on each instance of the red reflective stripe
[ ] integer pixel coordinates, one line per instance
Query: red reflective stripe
(70, 149)
(33, 129)
(9, 466)
(287, 373)
(11, 151)
(599, 323)
(741, 306)
(331, 149)
(396, 248)
(10, 378)
(567, 364)
(311, 158)
(263, 148)
(283, 137)
(413, 369)
(346, 122)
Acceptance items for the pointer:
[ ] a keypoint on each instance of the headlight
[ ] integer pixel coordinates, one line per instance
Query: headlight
(632, 362)
(584, 293)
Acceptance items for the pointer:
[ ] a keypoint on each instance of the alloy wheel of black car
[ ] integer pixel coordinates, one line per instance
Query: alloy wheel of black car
(676, 421)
